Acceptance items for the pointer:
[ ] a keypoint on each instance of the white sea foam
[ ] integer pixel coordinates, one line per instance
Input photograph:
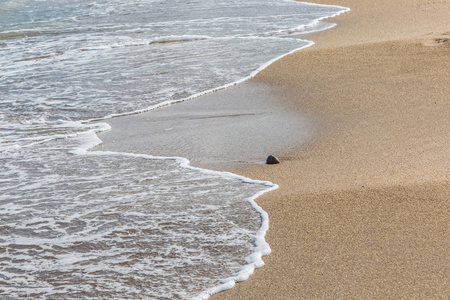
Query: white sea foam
(69, 228)
(262, 248)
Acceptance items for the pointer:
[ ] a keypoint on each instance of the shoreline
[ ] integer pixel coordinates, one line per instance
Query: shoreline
(361, 209)
(225, 102)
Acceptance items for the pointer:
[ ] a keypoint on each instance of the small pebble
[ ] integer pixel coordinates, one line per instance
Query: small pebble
(272, 160)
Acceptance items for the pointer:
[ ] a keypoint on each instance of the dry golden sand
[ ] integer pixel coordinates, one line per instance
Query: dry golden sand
(363, 210)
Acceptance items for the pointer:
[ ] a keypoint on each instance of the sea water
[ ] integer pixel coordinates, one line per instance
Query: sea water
(101, 225)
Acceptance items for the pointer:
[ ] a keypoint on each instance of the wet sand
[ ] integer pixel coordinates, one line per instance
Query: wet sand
(221, 130)
(363, 206)
(363, 210)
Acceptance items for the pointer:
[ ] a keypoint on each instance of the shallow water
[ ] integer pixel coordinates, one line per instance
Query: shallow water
(97, 225)
(117, 226)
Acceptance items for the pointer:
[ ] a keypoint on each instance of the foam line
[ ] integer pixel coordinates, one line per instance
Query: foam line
(253, 74)
(262, 248)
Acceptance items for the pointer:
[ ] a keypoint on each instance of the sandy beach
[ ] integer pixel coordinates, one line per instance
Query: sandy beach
(363, 207)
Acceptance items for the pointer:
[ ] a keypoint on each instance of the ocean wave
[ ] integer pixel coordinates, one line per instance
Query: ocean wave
(78, 223)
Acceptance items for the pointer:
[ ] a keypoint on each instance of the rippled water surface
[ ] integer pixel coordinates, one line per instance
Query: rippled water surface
(112, 225)
(97, 225)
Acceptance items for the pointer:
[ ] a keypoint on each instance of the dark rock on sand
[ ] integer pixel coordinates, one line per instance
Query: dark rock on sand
(272, 160)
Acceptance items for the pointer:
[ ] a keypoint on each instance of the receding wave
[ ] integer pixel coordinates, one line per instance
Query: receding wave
(92, 225)
(13, 35)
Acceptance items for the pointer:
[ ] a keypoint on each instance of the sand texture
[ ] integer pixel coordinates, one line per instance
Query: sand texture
(363, 207)
(363, 211)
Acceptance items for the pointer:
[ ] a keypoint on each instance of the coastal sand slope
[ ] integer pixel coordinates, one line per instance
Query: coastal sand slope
(363, 211)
